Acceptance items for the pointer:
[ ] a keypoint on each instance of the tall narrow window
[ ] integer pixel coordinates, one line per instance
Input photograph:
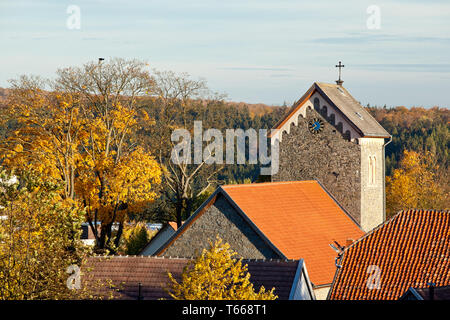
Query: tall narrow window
(317, 104)
(372, 169)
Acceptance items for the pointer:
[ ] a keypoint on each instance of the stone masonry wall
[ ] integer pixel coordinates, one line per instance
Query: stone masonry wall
(222, 219)
(329, 157)
(372, 181)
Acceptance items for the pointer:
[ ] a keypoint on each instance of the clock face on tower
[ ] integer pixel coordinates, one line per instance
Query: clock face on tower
(315, 125)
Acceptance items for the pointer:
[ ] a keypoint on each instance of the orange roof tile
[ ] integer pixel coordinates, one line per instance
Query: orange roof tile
(300, 219)
(411, 250)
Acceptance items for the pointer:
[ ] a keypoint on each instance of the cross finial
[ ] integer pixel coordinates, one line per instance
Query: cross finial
(340, 66)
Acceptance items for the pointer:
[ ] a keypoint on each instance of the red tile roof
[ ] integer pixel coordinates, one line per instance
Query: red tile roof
(125, 273)
(411, 250)
(299, 218)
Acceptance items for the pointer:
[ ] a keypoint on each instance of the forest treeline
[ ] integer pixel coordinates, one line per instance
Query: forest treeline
(423, 130)
(417, 129)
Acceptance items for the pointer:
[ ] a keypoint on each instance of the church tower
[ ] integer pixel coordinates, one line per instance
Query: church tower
(328, 136)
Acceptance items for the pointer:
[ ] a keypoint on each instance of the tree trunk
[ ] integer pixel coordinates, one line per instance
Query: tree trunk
(118, 235)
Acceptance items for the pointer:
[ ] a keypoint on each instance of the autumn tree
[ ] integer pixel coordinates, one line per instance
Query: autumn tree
(414, 184)
(181, 101)
(39, 240)
(135, 237)
(82, 134)
(217, 275)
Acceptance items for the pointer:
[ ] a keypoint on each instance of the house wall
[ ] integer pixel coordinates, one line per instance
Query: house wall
(329, 157)
(321, 293)
(223, 220)
(372, 182)
(158, 240)
(302, 288)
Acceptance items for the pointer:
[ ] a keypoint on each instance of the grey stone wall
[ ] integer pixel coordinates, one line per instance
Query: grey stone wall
(329, 157)
(372, 195)
(222, 219)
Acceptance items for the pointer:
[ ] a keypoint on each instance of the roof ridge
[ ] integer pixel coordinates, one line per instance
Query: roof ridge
(140, 257)
(267, 183)
(269, 260)
(394, 217)
(191, 258)
(329, 84)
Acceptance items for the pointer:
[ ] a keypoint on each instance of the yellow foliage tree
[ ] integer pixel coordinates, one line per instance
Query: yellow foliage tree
(414, 186)
(39, 240)
(135, 237)
(217, 275)
(84, 137)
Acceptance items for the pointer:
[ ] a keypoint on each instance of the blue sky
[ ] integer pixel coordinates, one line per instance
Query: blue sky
(254, 51)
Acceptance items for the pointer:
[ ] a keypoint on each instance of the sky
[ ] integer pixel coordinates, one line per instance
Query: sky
(395, 52)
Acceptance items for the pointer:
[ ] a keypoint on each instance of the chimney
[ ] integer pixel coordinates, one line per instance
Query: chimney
(431, 291)
(140, 292)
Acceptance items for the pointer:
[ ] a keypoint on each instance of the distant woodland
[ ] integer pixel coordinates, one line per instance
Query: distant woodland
(417, 128)
(423, 130)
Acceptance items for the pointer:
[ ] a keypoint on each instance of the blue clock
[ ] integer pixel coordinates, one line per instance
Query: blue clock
(315, 125)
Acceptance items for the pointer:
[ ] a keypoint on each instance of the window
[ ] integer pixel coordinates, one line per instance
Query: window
(372, 169)
(317, 104)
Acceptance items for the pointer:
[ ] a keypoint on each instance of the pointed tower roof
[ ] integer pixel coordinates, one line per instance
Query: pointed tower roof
(347, 106)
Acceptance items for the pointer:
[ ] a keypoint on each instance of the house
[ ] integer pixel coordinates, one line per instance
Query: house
(159, 239)
(430, 293)
(145, 278)
(87, 235)
(154, 226)
(275, 220)
(412, 249)
(328, 136)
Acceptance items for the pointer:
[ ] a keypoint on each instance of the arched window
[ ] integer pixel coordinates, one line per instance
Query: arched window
(332, 119)
(317, 104)
(347, 135)
(325, 112)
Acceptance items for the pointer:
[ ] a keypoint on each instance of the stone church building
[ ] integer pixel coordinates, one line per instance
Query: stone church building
(328, 136)
(329, 190)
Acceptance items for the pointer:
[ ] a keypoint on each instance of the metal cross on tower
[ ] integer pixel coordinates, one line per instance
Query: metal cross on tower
(340, 66)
